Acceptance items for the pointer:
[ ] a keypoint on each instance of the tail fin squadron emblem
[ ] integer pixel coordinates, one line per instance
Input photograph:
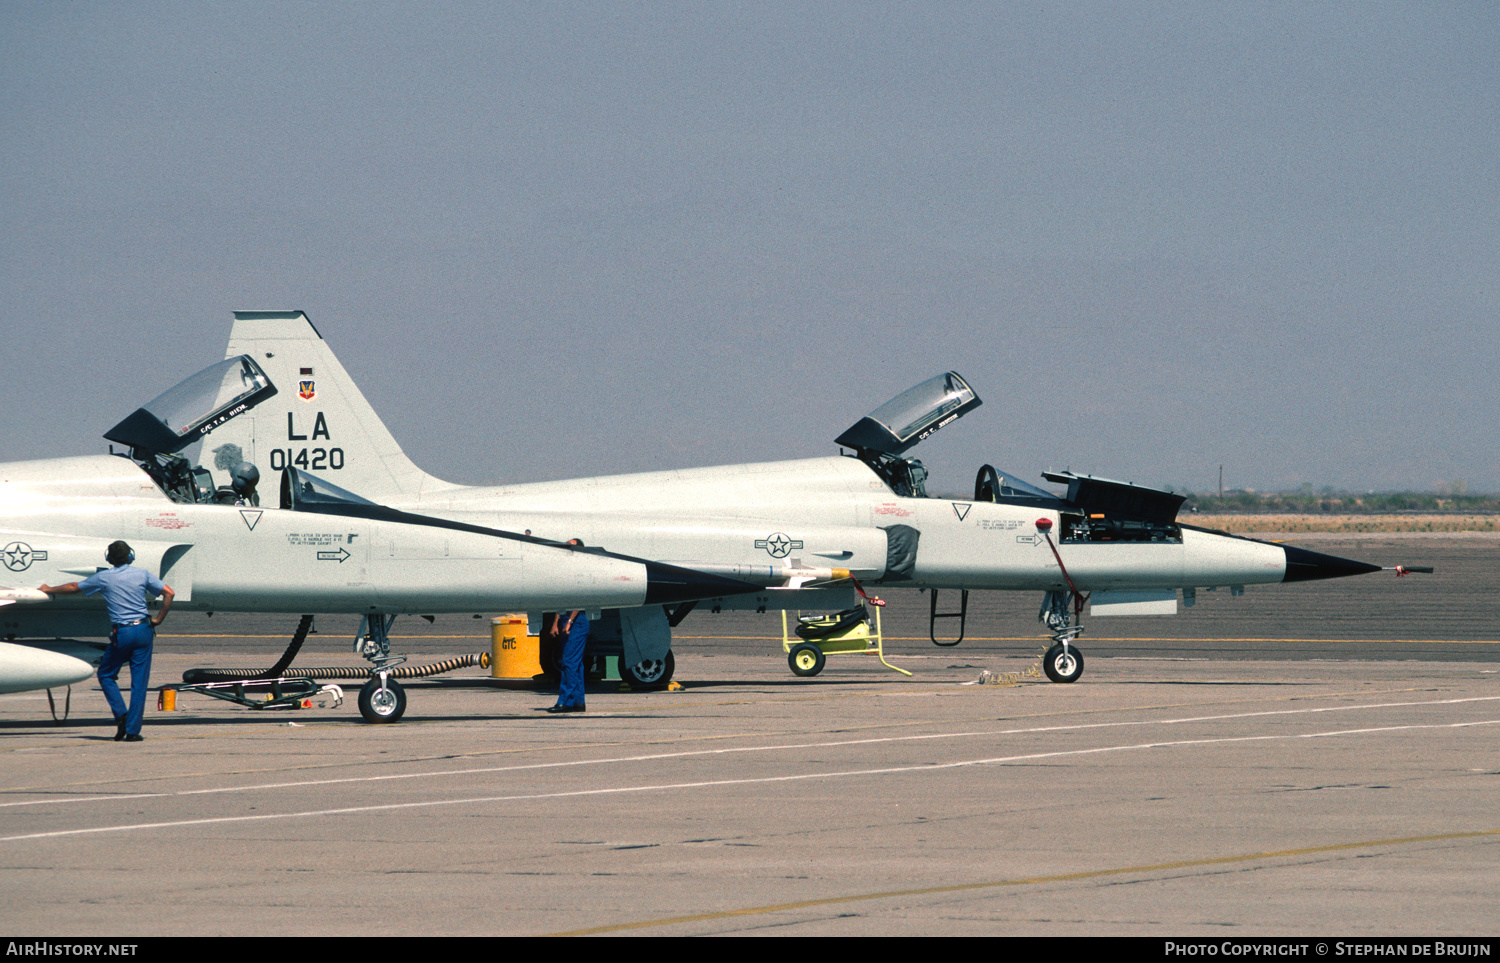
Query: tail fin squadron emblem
(306, 389)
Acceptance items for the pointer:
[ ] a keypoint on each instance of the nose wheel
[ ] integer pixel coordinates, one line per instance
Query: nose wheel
(1063, 663)
(382, 700)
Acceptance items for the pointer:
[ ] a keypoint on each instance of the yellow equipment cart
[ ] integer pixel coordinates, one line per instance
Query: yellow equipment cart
(813, 638)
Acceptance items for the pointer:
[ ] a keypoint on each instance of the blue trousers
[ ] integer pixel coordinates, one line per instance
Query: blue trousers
(129, 643)
(570, 663)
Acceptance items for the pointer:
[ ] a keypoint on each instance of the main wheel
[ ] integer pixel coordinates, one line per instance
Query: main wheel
(806, 660)
(1063, 665)
(382, 705)
(648, 673)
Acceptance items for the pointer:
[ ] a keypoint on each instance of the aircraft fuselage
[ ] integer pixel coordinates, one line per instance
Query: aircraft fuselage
(835, 511)
(58, 515)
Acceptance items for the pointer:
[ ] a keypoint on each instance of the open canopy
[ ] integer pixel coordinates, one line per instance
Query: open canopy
(911, 416)
(196, 406)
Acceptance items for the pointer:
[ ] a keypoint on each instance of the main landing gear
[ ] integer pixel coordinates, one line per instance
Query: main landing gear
(649, 673)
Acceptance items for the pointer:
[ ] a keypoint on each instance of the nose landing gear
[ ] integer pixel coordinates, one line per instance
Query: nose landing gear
(1063, 662)
(382, 699)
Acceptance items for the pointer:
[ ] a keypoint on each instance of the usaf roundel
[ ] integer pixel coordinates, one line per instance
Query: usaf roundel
(778, 545)
(18, 556)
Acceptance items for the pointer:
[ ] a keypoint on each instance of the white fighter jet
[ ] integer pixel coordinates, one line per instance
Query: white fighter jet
(794, 529)
(321, 549)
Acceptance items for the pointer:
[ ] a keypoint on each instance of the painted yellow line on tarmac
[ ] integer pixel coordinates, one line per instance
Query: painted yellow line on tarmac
(1102, 638)
(1042, 640)
(282, 637)
(1038, 639)
(1023, 881)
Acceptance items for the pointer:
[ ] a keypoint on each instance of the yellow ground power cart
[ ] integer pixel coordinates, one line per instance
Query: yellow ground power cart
(813, 638)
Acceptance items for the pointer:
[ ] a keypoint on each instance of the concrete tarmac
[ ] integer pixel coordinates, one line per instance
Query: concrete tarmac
(1337, 777)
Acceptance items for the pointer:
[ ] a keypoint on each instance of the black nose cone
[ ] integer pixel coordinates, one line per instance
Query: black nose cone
(1304, 566)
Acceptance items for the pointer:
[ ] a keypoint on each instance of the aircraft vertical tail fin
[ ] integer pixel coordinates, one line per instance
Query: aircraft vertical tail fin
(318, 420)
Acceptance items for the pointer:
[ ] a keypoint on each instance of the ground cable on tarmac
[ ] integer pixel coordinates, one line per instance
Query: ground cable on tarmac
(198, 676)
(280, 671)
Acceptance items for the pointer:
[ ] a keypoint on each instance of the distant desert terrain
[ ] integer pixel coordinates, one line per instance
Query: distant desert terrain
(1342, 523)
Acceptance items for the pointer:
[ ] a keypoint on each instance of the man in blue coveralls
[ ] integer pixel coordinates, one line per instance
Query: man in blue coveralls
(132, 631)
(573, 629)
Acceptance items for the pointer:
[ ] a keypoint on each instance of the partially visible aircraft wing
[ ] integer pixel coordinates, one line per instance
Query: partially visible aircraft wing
(23, 668)
(10, 596)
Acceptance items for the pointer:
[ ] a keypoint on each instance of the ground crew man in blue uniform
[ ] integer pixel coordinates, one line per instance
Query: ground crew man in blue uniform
(132, 631)
(573, 629)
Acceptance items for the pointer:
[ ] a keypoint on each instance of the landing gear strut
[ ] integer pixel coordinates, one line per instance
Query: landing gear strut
(382, 699)
(1060, 609)
(1062, 662)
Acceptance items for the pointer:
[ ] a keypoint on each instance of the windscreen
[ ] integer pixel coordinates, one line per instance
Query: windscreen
(1011, 486)
(302, 492)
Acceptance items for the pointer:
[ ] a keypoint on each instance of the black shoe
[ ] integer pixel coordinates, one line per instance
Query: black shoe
(135, 737)
(556, 709)
(119, 728)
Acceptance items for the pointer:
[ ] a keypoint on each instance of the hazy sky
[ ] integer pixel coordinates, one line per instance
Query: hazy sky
(569, 239)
